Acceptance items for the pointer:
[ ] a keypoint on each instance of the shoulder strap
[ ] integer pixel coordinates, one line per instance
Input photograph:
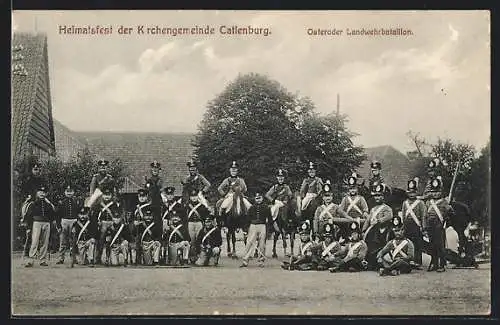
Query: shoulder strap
(327, 210)
(353, 204)
(409, 211)
(147, 230)
(329, 248)
(82, 230)
(176, 230)
(194, 210)
(105, 208)
(399, 249)
(117, 234)
(208, 234)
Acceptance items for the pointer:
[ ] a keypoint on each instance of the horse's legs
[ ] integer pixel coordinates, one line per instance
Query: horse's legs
(228, 240)
(233, 239)
(275, 239)
(283, 236)
(292, 239)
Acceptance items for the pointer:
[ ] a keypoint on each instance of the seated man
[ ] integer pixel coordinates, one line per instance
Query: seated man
(304, 261)
(117, 238)
(330, 249)
(208, 243)
(149, 241)
(455, 254)
(398, 254)
(83, 239)
(178, 242)
(353, 254)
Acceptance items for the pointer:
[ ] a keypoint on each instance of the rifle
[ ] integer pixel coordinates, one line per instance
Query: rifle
(453, 182)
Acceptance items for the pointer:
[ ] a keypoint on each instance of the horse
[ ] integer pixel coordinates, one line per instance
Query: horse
(233, 218)
(286, 223)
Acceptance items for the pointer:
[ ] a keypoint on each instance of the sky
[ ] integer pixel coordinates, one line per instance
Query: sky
(435, 82)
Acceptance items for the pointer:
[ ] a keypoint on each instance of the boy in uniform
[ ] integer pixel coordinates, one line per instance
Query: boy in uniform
(439, 212)
(169, 204)
(396, 256)
(103, 214)
(329, 249)
(178, 242)
(414, 215)
(150, 235)
(328, 213)
(83, 239)
(145, 203)
(376, 228)
(117, 242)
(304, 261)
(352, 256)
(67, 212)
(354, 204)
(208, 243)
(196, 212)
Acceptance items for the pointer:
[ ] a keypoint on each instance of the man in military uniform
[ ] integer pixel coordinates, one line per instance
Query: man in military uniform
(353, 254)
(376, 228)
(67, 212)
(83, 234)
(328, 213)
(439, 212)
(39, 217)
(414, 215)
(304, 261)
(279, 195)
(397, 255)
(137, 223)
(233, 189)
(154, 184)
(178, 242)
(101, 181)
(195, 181)
(117, 238)
(103, 215)
(432, 173)
(309, 190)
(208, 243)
(259, 215)
(329, 249)
(169, 204)
(196, 212)
(149, 240)
(376, 177)
(354, 204)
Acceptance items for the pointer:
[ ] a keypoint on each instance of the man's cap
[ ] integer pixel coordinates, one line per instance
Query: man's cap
(376, 165)
(148, 211)
(155, 164)
(436, 184)
(209, 218)
(107, 190)
(436, 162)
(258, 194)
(354, 227)
(352, 180)
(191, 163)
(397, 223)
(42, 187)
(328, 230)
(142, 191)
(102, 162)
(234, 164)
(412, 185)
(312, 166)
(305, 227)
(193, 192)
(281, 172)
(36, 165)
(68, 187)
(84, 210)
(379, 189)
(327, 188)
(169, 190)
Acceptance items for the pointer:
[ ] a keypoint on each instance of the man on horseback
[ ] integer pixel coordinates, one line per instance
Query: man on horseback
(233, 206)
(309, 190)
(376, 228)
(154, 185)
(280, 196)
(195, 181)
(99, 182)
(414, 214)
(328, 213)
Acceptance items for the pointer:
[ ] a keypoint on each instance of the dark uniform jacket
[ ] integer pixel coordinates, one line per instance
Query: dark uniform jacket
(31, 185)
(213, 239)
(414, 216)
(259, 214)
(153, 232)
(154, 184)
(102, 182)
(433, 219)
(406, 251)
(40, 210)
(281, 192)
(89, 232)
(179, 235)
(124, 234)
(100, 213)
(67, 209)
(196, 212)
(139, 210)
(167, 209)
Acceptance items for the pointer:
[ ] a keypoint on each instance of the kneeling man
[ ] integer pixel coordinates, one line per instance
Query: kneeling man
(208, 243)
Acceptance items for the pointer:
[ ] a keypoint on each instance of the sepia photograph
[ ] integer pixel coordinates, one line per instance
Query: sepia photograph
(218, 162)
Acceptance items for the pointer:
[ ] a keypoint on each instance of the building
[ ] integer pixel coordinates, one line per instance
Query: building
(32, 123)
(67, 145)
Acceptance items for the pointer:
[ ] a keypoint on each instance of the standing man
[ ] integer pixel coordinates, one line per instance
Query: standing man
(39, 216)
(432, 173)
(376, 177)
(195, 181)
(103, 215)
(99, 182)
(196, 212)
(311, 187)
(259, 215)
(414, 215)
(67, 213)
(439, 212)
(154, 184)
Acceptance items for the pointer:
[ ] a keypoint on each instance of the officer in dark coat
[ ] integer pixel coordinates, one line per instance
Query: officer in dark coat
(154, 184)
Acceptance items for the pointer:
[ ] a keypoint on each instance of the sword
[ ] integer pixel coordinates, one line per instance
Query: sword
(453, 182)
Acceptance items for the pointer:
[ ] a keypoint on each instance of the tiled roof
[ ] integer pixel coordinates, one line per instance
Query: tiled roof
(29, 56)
(138, 150)
(397, 169)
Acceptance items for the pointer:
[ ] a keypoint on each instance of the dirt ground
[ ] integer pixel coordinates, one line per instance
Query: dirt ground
(227, 289)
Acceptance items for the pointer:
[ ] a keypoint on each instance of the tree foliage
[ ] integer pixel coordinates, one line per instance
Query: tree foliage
(480, 186)
(258, 123)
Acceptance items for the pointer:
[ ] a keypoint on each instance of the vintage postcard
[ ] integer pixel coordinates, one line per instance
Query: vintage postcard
(250, 163)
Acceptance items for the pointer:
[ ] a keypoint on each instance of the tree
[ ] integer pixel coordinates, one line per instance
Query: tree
(258, 123)
(480, 186)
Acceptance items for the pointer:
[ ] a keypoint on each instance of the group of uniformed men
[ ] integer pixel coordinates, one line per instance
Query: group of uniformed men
(164, 230)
